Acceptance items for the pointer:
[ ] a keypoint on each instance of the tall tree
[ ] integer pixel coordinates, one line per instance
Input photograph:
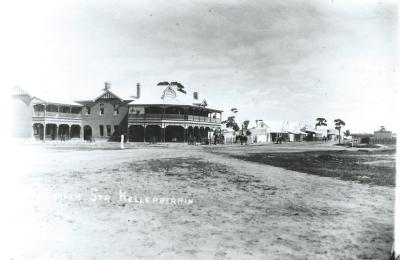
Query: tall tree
(179, 86)
(246, 124)
(320, 122)
(339, 123)
(231, 123)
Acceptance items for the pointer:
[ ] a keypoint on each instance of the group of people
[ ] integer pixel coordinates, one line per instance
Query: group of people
(242, 139)
(280, 139)
(191, 140)
(219, 138)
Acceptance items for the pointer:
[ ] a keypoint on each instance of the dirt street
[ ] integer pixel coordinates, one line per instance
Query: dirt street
(93, 201)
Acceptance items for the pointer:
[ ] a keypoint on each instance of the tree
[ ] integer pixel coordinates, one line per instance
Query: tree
(179, 86)
(338, 125)
(320, 122)
(245, 125)
(347, 133)
(231, 123)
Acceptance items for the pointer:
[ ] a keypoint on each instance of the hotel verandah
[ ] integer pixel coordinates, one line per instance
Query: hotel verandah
(173, 117)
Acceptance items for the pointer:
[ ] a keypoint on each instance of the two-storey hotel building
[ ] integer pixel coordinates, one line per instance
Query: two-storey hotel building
(162, 116)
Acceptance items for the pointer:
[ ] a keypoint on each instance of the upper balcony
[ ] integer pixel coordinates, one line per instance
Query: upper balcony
(57, 115)
(175, 117)
(57, 111)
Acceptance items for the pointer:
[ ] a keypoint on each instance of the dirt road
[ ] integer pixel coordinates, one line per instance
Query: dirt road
(70, 206)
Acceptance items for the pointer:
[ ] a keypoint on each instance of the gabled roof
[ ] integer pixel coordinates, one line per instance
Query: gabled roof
(257, 124)
(107, 94)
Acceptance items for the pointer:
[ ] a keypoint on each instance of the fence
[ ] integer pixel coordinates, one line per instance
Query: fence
(374, 140)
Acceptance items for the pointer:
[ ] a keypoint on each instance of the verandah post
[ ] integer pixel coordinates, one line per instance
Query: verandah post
(144, 133)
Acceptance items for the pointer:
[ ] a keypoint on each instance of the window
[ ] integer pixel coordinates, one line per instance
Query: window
(116, 109)
(87, 111)
(108, 130)
(101, 130)
(101, 109)
(116, 129)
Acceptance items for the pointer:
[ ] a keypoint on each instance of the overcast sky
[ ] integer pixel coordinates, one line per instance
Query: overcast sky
(272, 60)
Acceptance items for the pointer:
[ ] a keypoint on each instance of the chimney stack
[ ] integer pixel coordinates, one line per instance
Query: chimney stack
(138, 90)
(196, 95)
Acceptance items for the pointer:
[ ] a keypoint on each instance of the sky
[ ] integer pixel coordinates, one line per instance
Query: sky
(272, 60)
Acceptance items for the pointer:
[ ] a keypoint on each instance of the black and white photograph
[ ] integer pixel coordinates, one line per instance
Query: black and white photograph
(202, 129)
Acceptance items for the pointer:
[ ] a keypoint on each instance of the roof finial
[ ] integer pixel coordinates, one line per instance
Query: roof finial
(107, 86)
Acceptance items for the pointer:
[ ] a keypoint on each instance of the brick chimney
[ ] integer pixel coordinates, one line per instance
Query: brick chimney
(137, 92)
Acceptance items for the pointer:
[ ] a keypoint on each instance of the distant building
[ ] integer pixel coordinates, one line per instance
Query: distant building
(320, 133)
(277, 130)
(332, 134)
(362, 138)
(260, 132)
(383, 134)
(292, 132)
(270, 131)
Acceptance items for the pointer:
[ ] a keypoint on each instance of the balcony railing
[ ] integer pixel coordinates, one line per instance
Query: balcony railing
(57, 115)
(178, 117)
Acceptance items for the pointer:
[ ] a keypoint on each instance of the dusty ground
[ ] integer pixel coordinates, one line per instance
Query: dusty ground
(240, 209)
(376, 167)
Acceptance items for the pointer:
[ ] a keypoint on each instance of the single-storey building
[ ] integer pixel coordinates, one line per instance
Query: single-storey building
(260, 132)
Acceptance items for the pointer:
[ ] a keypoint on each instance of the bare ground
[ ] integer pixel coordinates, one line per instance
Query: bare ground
(240, 210)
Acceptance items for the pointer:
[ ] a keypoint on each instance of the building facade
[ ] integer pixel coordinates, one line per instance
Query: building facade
(53, 121)
(171, 118)
(260, 132)
(105, 117)
(383, 134)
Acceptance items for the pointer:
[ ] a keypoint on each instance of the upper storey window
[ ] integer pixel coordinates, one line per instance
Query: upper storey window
(87, 111)
(101, 109)
(116, 109)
